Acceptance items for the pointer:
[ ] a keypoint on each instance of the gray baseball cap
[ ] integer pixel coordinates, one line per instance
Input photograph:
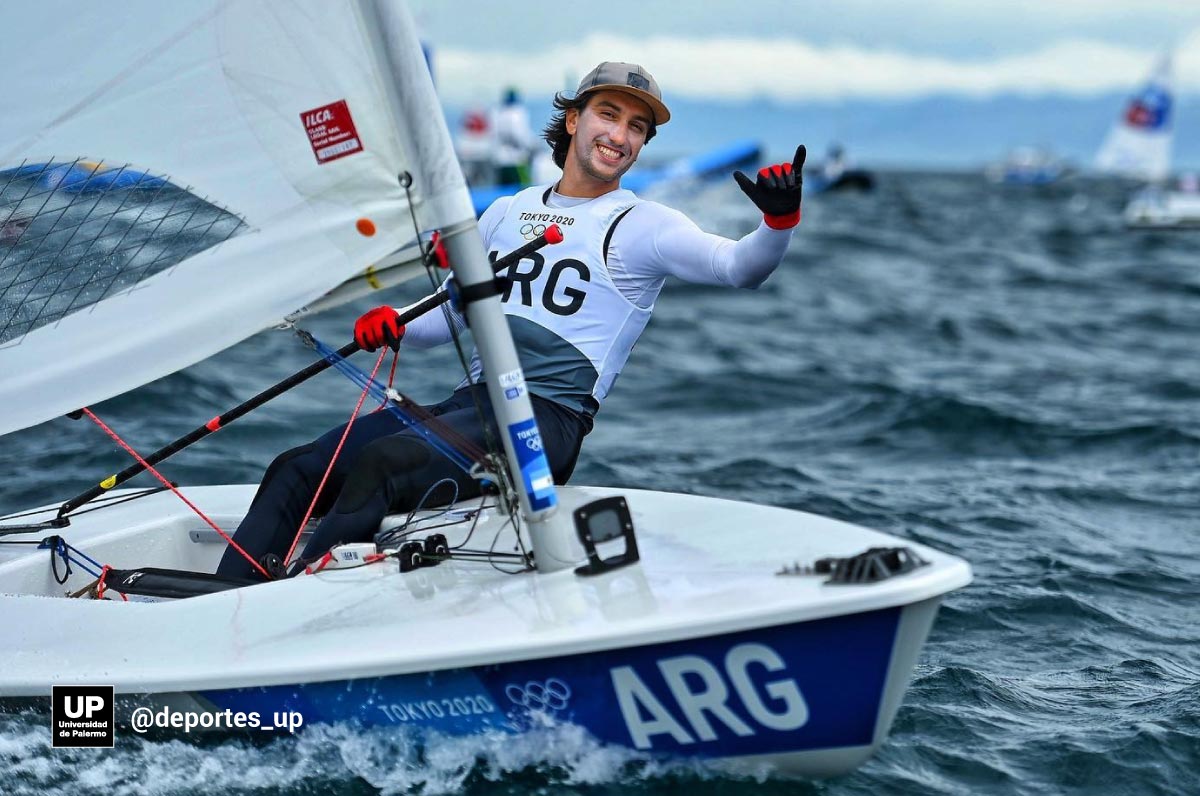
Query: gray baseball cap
(629, 78)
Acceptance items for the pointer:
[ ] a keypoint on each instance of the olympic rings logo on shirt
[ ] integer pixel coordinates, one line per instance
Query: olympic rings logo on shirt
(531, 231)
(551, 695)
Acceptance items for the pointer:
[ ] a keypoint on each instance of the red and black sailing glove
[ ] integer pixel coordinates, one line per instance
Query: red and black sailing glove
(777, 191)
(380, 326)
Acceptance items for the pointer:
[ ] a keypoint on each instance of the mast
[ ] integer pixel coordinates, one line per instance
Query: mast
(445, 203)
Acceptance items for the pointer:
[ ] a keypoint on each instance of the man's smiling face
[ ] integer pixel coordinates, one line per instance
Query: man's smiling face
(607, 135)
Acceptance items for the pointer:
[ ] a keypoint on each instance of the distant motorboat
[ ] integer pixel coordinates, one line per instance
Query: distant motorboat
(849, 180)
(835, 174)
(1028, 166)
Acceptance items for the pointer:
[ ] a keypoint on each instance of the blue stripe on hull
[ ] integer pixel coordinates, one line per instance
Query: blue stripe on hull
(810, 685)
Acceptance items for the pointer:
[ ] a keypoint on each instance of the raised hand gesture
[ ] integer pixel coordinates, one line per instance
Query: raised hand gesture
(776, 192)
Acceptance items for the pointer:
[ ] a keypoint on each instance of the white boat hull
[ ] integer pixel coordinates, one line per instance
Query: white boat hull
(701, 649)
(1170, 210)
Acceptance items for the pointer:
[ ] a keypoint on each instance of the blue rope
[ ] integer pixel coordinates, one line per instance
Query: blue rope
(64, 550)
(364, 380)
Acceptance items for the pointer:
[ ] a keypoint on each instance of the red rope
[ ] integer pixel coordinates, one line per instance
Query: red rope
(320, 565)
(336, 452)
(101, 586)
(171, 487)
(391, 380)
(327, 559)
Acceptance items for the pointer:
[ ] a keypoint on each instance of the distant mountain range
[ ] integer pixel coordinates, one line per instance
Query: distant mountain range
(940, 132)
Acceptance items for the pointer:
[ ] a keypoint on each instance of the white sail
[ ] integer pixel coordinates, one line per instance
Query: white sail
(1139, 144)
(195, 172)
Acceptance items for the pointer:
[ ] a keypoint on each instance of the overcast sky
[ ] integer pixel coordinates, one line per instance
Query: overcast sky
(862, 49)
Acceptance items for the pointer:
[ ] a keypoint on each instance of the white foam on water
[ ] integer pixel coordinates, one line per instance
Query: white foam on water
(406, 760)
(327, 758)
(141, 767)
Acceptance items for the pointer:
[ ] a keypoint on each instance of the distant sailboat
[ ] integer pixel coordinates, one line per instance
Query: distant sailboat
(1139, 146)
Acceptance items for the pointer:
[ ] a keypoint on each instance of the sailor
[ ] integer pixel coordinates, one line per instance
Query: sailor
(575, 315)
(475, 146)
(835, 163)
(513, 139)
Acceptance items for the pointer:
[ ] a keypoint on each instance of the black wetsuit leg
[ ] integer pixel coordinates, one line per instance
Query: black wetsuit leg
(394, 473)
(288, 486)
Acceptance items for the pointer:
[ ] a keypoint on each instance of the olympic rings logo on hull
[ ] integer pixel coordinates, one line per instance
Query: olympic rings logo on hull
(552, 695)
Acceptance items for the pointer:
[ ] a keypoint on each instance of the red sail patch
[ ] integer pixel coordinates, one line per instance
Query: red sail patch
(331, 131)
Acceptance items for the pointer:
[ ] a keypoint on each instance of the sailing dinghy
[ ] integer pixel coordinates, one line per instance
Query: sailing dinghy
(266, 152)
(1139, 147)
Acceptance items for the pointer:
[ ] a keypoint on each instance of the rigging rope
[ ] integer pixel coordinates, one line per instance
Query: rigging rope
(333, 459)
(59, 548)
(101, 586)
(229, 539)
(460, 450)
(391, 378)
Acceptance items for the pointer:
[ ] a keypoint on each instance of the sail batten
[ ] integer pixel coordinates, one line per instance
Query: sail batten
(187, 186)
(94, 231)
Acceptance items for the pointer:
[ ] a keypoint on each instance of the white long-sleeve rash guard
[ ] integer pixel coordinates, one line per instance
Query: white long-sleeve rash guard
(649, 244)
